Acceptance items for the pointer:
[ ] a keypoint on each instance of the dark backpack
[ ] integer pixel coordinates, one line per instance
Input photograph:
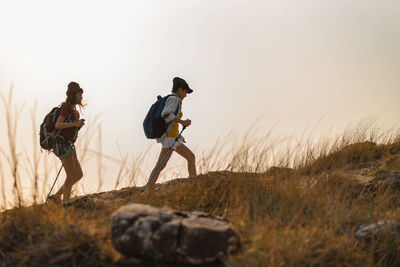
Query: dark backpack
(48, 132)
(154, 125)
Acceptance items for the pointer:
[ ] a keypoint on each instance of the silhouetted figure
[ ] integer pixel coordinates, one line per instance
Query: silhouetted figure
(69, 123)
(179, 91)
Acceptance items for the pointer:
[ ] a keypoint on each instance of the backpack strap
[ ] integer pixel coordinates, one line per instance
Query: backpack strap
(179, 104)
(175, 113)
(65, 120)
(177, 109)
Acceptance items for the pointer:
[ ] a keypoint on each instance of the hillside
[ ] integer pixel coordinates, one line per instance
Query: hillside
(307, 216)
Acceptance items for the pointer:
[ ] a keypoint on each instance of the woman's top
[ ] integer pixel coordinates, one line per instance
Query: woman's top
(65, 110)
(171, 104)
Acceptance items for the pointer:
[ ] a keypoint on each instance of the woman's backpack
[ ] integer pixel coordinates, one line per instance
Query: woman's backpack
(154, 125)
(48, 132)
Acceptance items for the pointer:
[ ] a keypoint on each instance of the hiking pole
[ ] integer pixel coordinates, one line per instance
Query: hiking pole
(69, 149)
(159, 165)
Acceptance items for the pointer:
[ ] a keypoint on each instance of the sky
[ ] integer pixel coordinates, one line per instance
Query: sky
(274, 65)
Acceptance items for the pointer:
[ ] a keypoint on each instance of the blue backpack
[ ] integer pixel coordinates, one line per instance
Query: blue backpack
(154, 125)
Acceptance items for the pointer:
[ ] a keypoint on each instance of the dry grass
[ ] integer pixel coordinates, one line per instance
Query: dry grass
(301, 212)
(13, 112)
(53, 236)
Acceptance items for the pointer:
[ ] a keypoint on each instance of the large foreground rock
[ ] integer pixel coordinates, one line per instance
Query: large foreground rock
(166, 235)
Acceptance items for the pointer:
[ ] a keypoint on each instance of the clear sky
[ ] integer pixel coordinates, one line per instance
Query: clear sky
(278, 64)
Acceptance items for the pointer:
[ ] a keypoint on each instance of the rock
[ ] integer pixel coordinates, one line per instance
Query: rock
(388, 179)
(363, 168)
(365, 232)
(168, 236)
(205, 240)
(379, 182)
(384, 235)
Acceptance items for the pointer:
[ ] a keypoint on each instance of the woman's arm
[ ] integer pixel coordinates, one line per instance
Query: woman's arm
(60, 124)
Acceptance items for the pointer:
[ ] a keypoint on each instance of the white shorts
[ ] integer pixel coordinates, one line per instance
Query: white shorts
(168, 142)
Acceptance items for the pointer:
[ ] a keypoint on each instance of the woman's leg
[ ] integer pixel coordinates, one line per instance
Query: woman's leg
(185, 152)
(59, 193)
(74, 174)
(69, 173)
(159, 168)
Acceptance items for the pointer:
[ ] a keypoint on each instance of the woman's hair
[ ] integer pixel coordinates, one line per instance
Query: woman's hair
(73, 90)
(71, 100)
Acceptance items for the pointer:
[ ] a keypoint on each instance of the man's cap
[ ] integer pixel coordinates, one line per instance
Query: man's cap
(179, 82)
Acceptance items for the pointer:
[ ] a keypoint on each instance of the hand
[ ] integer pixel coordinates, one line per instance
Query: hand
(186, 123)
(79, 123)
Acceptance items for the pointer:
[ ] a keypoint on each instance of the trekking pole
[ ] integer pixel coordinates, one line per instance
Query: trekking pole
(176, 139)
(69, 149)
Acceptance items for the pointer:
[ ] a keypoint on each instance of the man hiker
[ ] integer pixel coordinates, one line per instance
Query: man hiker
(171, 140)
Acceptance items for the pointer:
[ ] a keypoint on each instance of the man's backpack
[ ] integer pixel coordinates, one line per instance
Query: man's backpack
(48, 132)
(154, 124)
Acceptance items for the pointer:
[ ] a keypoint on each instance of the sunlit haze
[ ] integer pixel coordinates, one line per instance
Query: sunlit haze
(276, 65)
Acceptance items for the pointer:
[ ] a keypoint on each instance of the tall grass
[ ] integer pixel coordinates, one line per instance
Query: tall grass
(12, 115)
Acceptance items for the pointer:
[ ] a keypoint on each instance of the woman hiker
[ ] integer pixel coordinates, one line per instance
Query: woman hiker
(180, 89)
(69, 123)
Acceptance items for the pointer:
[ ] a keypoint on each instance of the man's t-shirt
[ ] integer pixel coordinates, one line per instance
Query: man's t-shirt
(65, 110)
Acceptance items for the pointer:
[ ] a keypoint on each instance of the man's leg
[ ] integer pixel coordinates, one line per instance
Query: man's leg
(185, 152)
(158, 168)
